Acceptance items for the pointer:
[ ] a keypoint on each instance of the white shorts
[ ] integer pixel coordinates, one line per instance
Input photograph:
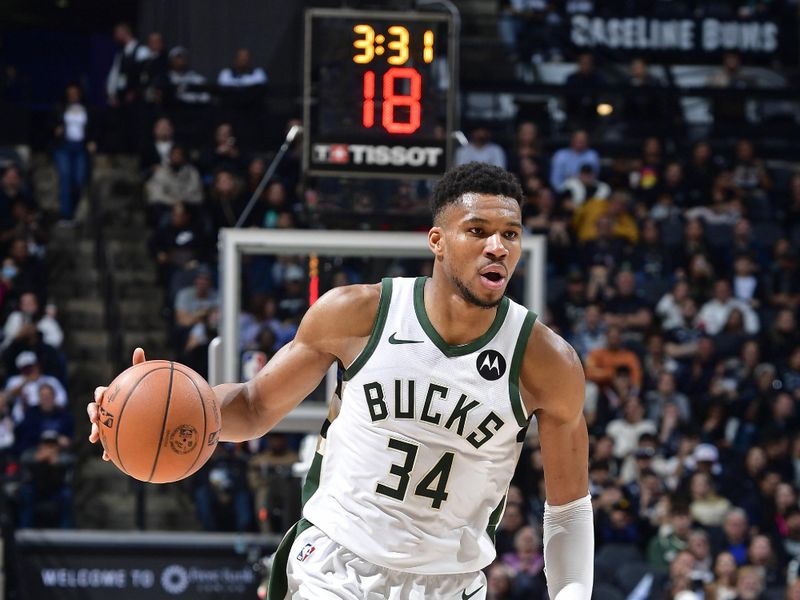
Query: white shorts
(317, 568)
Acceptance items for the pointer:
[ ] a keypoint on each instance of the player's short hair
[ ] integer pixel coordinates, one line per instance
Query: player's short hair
(476, 178)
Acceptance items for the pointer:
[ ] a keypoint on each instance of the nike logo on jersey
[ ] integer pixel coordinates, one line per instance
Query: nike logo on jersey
(394, 340)
(465, 596)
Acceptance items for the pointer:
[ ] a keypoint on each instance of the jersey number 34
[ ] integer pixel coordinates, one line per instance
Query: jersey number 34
(433, 485)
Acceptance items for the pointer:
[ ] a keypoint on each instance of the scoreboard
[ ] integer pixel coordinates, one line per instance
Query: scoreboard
(378, 93)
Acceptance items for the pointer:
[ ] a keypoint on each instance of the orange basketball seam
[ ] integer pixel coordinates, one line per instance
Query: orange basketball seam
(122, 410)
(164, 424)
(202, 443)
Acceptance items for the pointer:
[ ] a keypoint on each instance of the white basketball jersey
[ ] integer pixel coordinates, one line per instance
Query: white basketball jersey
(421, 443)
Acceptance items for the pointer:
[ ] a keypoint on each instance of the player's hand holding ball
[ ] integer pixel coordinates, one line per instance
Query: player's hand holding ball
(158, 421)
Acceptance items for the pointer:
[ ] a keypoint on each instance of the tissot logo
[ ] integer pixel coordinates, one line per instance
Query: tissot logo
(365, 154)
(491, 365)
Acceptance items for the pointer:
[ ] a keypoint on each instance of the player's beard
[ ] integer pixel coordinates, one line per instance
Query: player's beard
(467, 295)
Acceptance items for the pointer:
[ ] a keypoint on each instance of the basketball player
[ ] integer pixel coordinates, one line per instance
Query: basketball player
(441, 377)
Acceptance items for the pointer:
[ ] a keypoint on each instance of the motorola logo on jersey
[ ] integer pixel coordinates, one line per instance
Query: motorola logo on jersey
(491, 365)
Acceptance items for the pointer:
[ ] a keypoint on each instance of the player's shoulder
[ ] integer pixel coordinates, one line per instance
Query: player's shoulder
(551, 369)
(351, 308)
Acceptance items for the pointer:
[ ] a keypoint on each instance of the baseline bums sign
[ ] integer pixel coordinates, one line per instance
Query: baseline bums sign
(95, 569)
(686, 40)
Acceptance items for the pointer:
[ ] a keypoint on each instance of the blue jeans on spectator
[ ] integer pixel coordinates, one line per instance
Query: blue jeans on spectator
(72, 163)
(59, 505)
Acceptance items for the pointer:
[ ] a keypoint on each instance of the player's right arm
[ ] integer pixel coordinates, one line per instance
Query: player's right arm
(336, 327)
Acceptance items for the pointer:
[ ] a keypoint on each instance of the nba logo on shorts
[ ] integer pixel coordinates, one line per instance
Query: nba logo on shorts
(307, 550)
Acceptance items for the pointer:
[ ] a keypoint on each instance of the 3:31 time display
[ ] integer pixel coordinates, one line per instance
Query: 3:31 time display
(397, 41)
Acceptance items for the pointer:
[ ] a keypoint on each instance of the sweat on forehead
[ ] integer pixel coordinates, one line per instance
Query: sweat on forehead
(475, 179)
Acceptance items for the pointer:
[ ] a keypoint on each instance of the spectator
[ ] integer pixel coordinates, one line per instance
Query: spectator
(12, 189)
(714, 314)
(784, 277)
(178, 245)
(590, 332)
(666, 393)
(586, 219)
(243, 87)
(656, 360)
(45, 496)
(582, 87)
(158, 152)
(707, 508)
(782, 335)
(700, 173)
(654, 263)
(29, 315)
(226, 155)
(221, 496)
(749, 583)
(122, 84)
(761, 556)
(735, 535)
(510, 524)
(74, 137)
(627, 310)
(672, 538)
(123, 88)
(526, 557)
(602, 363)
(185, 84)
(194, 304)
(700, 548)
(749, 173)
(22, 391)
(724, 585)
(527, 147)
(178, 181)
(626, 431)
(730, 110)
(481, 149)
(669, 308)
(45, 416)
(154, 70)
(567, 162)
(746, 285)
(583, 187)
(499, 579)
(270, 479)
(31, 273)
(225, 201)
(242, 74)
(643, 106)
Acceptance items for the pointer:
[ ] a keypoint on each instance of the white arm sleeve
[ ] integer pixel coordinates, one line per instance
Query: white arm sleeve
(569, 549)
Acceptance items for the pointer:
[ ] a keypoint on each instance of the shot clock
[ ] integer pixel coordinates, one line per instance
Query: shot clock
(379, 93)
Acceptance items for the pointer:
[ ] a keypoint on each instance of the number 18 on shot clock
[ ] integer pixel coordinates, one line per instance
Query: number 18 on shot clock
(379, 93)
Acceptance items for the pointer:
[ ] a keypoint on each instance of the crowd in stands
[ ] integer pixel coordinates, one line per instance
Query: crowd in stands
(36, 423)
(675, 274)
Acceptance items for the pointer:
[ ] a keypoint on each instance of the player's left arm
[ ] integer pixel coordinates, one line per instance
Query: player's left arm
(552, 383)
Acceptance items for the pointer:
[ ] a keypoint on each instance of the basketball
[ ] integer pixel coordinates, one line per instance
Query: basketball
(159, 421)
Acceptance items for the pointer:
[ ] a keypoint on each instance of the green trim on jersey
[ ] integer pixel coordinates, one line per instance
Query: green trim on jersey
(278, 576)
(312, 479)
(430, 330)
(377, 330)
(516, 365)
(494, 519)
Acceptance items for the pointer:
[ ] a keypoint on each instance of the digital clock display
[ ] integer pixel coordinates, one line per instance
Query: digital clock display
(378, 93)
